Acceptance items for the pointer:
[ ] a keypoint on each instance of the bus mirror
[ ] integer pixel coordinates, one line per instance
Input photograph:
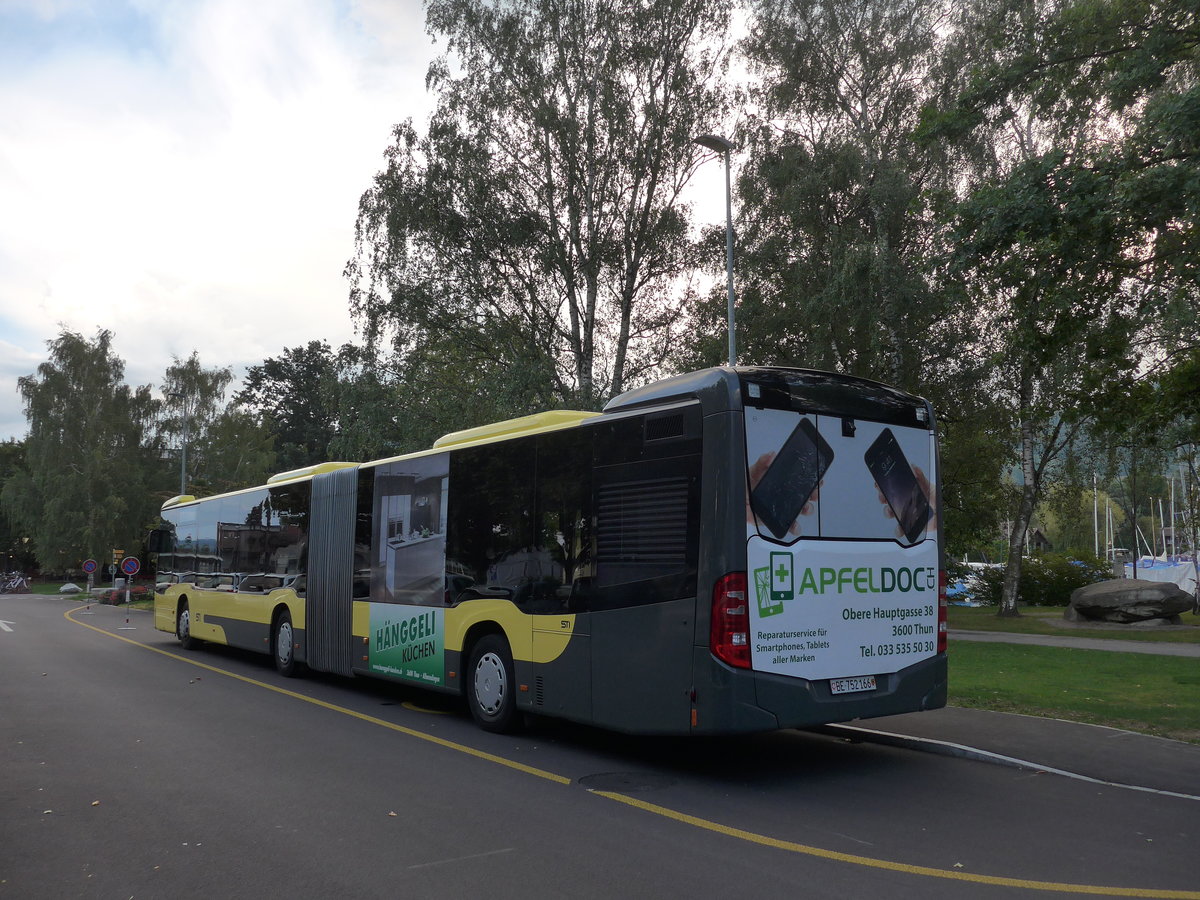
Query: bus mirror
(160, 540)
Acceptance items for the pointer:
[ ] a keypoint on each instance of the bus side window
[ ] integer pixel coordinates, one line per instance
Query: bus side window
(564, 534)
(490, 523)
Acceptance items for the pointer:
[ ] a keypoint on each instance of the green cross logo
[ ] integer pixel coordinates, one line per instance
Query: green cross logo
(783, 587)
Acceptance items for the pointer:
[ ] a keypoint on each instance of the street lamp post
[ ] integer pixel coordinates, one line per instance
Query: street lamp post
(176, 395)
(723, 145)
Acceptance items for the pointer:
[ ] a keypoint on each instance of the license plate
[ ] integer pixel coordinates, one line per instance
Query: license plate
(851, 685)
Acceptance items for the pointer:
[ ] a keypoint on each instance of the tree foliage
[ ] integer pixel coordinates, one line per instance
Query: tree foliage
(193, 399)
(239, 452)
(297, 395)
(533, 237)
(843, 261)
(839, 263)
(993, 204)
(15, 550)
(1066, 237)
(91, 478)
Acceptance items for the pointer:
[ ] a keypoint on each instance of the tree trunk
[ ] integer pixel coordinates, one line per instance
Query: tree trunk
(1020, 525)
(1016, 549)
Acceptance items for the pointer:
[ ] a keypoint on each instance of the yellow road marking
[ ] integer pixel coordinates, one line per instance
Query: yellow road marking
(927, 871)
(411, 732)
(684, 818)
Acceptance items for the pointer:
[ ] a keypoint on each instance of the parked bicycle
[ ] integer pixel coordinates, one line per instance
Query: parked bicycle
(14, 583)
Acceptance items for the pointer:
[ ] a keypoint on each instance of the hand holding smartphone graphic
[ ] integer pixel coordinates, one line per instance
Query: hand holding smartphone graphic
(926, 489)
(785, 485)
(757, 471)
(904, 490)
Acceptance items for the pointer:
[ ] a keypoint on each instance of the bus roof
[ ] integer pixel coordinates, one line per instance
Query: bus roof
(309, 471)
(545, 421)
(304, 474)
(810, 390)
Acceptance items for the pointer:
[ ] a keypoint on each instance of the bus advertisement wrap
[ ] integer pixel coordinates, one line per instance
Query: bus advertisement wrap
(408, 642)
(828, 609)
(409, 541)
(842, 549)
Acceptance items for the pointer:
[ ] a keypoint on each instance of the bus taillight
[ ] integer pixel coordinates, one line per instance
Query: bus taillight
(943, 609)
(729, 635)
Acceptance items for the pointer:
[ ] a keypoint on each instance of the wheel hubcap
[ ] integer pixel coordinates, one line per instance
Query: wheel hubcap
(283, 642)
(490, 683)
(184, 623)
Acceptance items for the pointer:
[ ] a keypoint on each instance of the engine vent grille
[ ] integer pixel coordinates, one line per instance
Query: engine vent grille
(661, 428)
(643, 523)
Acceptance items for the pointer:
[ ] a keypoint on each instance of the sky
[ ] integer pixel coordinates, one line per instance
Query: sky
(186, 173)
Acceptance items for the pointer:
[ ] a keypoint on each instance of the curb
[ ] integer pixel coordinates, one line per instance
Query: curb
(962, 751)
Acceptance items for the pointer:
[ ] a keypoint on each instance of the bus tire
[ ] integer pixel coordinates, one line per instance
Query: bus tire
(183, 627)
(283, 643)
(491, 687)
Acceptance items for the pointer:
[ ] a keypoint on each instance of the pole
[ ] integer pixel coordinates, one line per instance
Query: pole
(729, 257)
(1174, 540)
(183, 453)
(1162, 528)
(1095, 517)
(1107, 529)
(1153, 537)
(127, 626)
(724, 146)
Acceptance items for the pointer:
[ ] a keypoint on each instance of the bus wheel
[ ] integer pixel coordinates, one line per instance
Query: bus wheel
(183, 628)
(490, 688)
(284, 642)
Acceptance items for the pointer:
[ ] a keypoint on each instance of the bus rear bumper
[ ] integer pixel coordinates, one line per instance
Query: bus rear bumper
(759, 701)
(920, 686)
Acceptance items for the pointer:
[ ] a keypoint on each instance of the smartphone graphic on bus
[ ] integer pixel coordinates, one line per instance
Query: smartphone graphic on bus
(899, 485)
(791, 478)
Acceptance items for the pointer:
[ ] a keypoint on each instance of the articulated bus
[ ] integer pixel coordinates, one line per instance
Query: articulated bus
(730, 550)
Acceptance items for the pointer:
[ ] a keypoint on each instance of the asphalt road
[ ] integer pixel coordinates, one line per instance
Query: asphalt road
(129, 768)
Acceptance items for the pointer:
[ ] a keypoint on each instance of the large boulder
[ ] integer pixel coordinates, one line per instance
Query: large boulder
(1129, 600)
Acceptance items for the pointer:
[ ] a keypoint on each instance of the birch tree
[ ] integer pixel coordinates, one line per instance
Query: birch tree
(535, 232)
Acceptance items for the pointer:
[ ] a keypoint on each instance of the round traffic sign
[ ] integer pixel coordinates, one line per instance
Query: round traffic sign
(89, 566)
(130, 565)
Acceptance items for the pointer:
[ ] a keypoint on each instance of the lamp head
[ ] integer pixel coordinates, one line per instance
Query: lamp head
(716, 142)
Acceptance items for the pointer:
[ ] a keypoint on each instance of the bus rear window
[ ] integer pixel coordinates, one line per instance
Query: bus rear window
(820, 476)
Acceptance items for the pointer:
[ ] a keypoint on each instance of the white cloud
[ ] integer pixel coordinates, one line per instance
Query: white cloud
(187, 174)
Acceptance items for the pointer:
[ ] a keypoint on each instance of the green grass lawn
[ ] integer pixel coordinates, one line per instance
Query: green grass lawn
(1157, 695)
(36, 588)
(1049, 620)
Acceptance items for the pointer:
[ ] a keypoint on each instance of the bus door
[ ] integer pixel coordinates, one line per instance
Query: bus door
(560, 575)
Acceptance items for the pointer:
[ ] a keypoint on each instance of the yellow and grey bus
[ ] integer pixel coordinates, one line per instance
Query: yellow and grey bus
(730, 550)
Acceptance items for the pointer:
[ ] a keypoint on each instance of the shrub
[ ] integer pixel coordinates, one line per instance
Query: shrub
(116, 598)
(1046, 580)
(957, 570)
